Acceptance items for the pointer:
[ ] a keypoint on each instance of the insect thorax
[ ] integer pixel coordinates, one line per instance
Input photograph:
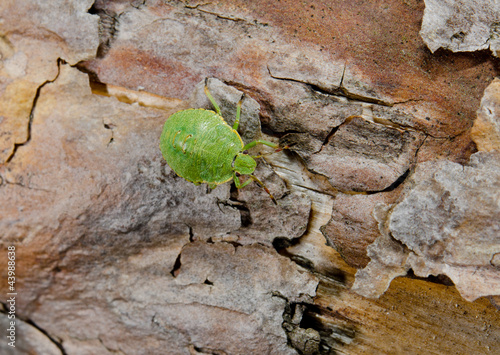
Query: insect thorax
(244, 164)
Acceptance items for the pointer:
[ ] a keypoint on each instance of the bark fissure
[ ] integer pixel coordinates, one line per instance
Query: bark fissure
(340, 90)
(108, 28)
(32, 111)
(57, 343)
(223, 16)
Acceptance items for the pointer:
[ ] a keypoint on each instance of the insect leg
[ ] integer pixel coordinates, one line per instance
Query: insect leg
(210, 97)
(275, 151)
(269, 144)
(238, 112)
(264, 187)
(240, 185)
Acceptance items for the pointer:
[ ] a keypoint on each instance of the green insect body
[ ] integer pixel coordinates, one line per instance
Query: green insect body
(202, 148)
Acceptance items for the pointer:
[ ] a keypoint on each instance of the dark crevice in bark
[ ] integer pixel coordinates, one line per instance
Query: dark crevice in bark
(270, 132)
(246, 217)
(95, 84)
(309, 332)
(108, 28)
(109, 126)
(207, 351)
(329, 136)
(437, 279)
(177, 266)
(44, 332)
(400, 180)
(191, 234)
(57, 343)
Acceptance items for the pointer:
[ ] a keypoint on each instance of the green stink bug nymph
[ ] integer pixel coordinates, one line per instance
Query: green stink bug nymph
(201, 147)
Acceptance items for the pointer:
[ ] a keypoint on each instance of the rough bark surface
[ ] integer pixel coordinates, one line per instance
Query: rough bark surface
(462, 25)
(385, 238)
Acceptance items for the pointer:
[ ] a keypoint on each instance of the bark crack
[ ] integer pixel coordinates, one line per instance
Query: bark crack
(32, 111)
(340, 90)
(177, 266)
(57, 343)
(7, 182)
(222, 16)
(109, 349)
(108, 28)
(109, 126)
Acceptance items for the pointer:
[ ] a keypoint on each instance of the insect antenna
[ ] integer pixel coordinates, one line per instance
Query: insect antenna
(269, 153)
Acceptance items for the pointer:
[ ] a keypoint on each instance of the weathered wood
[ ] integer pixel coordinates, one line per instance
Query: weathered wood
(117, 254)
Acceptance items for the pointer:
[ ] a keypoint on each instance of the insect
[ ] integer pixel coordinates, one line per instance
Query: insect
(202, 148)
